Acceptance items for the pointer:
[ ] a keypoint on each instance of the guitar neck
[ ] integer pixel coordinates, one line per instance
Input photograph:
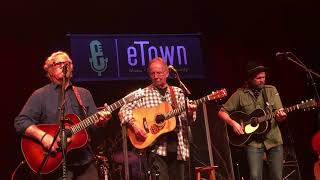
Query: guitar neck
(273, 114)
(178, 111)
(95, 117)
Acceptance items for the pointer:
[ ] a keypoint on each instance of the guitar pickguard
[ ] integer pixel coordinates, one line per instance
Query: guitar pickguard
(248, 129)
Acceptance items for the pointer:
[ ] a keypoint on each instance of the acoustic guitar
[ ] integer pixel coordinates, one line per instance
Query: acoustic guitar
(258, 122)
(161, 119)
(34, 152)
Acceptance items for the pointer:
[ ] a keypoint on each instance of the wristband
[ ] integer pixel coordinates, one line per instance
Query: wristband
(43, 136)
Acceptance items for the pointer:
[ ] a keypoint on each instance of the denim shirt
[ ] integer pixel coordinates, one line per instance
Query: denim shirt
(244, 100)
(42, 107)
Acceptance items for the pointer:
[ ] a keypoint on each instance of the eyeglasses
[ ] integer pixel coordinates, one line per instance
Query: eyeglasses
(59, 64)
(161, 73)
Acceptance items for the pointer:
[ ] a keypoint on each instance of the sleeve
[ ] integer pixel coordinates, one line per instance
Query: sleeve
(232, 104)
(30, 113)
(125, 112)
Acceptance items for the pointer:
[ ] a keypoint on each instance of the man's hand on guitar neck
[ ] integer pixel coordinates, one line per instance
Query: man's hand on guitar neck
(104, 116)
(140, 133)
(192, 107)
(280, 115)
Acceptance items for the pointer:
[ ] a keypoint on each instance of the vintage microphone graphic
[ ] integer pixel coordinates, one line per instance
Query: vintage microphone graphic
(97, 60)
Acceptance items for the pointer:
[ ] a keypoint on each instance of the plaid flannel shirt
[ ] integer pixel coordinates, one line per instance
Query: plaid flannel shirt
(153, 98)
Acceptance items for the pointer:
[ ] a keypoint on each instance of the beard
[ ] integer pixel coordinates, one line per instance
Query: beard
(260, 86)
(254, 85)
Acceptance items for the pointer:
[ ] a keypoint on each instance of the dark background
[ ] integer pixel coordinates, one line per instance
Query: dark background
(232, 34)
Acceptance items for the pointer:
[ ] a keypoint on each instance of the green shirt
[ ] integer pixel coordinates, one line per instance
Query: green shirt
(244, 100)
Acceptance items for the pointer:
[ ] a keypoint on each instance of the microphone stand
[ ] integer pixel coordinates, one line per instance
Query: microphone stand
(298, 62)
(186, 94)
(61, 130)
(63, 137)
(309, 71)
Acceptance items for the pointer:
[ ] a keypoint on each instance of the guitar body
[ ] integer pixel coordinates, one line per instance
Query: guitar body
(146, 119)
(249, 125)
(258, 122)
(34, 152)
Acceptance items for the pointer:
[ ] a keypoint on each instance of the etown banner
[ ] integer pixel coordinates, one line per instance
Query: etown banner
(125, 57)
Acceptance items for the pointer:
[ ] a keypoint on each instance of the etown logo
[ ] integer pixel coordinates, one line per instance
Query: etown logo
(97, 60)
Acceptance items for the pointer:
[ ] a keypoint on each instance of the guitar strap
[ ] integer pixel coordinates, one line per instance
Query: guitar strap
(265, 98)
(84, 110)
(172, 138)
(76, 92)
(173, 98)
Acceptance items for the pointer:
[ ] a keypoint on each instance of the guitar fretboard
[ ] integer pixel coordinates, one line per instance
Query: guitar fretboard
(95, 117)
(178, 111)
(308, 104)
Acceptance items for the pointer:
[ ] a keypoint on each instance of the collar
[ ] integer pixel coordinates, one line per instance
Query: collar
(155, 88)
(56, 86)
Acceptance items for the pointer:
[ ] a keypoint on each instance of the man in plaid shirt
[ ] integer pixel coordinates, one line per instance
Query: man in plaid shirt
(169, 153)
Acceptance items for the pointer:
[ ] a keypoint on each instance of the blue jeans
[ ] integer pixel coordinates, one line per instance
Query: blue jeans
(275, 162)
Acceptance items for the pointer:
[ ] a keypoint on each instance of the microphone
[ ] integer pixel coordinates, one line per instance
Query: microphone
(184, 88)
(170, 67)
(282, 53)
(65, 68)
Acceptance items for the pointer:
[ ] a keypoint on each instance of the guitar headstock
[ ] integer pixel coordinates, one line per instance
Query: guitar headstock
(308, 104)
(135, 95)
(218, 94)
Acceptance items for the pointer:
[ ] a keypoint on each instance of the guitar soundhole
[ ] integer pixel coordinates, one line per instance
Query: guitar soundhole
(254, 122)
(160, 119)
